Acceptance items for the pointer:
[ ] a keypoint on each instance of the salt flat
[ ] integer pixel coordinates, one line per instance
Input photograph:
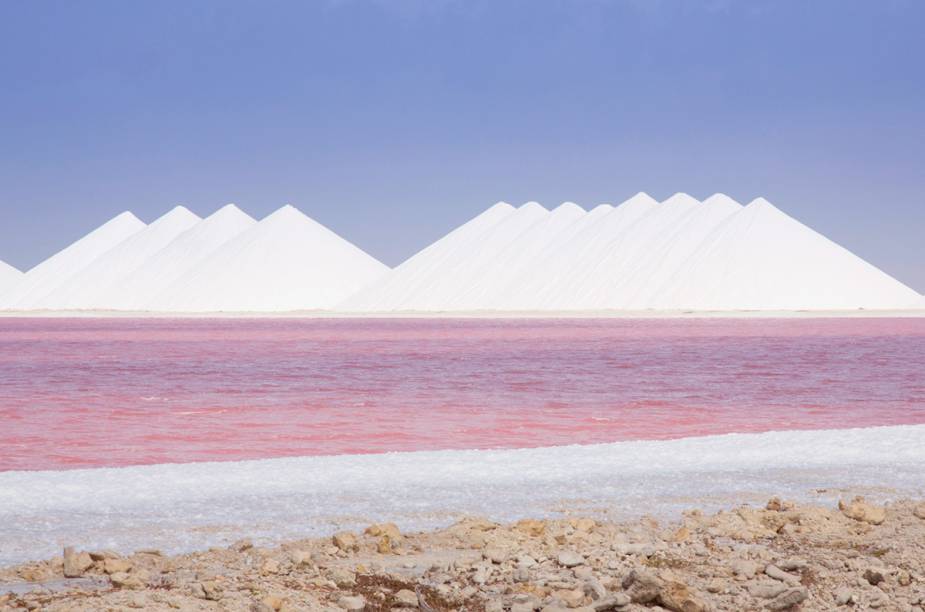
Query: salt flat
(189, 506)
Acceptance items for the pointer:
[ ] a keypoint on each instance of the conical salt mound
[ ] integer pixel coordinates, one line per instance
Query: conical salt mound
(286, 262)
(94, 287)
(417, 273)
(181, 255)
(57, 269)
(9, 276)
(762, 259)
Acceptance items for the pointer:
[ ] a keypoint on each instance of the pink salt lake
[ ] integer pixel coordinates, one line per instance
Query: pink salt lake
(113, 392)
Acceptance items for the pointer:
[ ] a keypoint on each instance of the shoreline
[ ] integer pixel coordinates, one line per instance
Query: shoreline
(778, 555)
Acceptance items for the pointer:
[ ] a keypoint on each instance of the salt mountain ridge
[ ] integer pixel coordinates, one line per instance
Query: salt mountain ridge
(677, 255)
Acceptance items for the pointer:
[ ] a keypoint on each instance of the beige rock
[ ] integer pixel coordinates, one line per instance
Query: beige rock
(860, 510)
(406, 598)
(116, 566)
(273, 602)
(75, 564)
(300, 558)
(531, 527)
(384, 529)
(269, 566)
(346, 541)
(788, 599)
(102, 555)
(354, 603)
(569, 558)
(919, 511)
(125, 580)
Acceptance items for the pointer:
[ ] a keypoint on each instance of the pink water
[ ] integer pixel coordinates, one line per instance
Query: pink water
(94, 392)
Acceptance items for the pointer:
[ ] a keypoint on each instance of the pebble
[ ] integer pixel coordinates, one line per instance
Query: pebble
(568, 558)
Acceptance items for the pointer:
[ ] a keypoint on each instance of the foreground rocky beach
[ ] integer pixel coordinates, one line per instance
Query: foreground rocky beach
(782, 556)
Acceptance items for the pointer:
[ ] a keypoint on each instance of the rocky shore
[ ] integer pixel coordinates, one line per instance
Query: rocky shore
(779, 557)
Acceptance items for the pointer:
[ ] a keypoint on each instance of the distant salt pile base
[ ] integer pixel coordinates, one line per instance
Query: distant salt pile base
(676, 256)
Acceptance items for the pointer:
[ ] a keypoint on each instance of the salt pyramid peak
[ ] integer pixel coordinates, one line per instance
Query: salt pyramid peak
(680, 198)
(721, 199)
(568, 206)
(532, 206)
(8, 276)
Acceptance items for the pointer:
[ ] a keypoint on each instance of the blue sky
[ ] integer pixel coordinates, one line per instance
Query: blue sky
(394, 121)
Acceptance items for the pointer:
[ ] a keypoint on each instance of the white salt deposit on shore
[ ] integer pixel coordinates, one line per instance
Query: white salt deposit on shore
(60, 267)
(184, 253)
(285, 262)
(8, 276)
(95, 285)
(190, 506)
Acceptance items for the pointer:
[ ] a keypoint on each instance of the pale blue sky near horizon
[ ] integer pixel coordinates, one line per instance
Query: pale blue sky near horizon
(392, 122)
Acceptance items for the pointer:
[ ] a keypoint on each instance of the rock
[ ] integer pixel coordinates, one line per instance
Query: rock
(300, 558)
(860, 510)
(766, 590)
(269, 566)
(124, 580)
(904, 578)
(594, 589)
(102, 555)
(531, 527)
(792, 565)
(778, 574)
(919, 511)
(355, 603)
(743, 569)
(844, 596)
(683, 534)
(611, 602)
(874, 575)
(496, 554)
(571, 597)
(342, 577)
(406, 598)
(585, 524)
(75, 564)
(116, 566)
(788, 599)
(678, 597)
(642, 587)
(346, 541)
(242, 545)
(384, 545)
(272, 602)
(384, 529)
(568, 558)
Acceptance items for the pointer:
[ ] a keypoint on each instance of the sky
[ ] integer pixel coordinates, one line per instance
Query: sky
(394, 121)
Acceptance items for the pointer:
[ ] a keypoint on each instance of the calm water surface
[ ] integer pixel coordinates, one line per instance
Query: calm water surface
(95, 392)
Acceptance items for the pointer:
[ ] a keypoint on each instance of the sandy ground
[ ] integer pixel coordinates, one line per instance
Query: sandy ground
(775, 556)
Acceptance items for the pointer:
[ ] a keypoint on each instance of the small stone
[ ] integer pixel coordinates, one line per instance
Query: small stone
(743, 569)
(788, 598)
(384, 529)
(594, 589)
(406, 598)
(778, 574)
(384, 545)
(642, 586)
(269, 566)
(611, 602)
(273, 602)
(300, 558)
(568, 558)
(874, 575)
(125, 580)
(904, 578)
(919, 511)
(76, 564)
(844, 596)
(342, 577)
(355, 603)
(861, 511)
(585, 524)
(346, 541)
(115, 566)
(571, 597)
(531, 527)
(766, 590)
(102, 555)
(683, 534)
(496, 555)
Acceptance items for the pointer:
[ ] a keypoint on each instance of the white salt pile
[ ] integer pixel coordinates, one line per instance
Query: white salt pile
(9, 276)
(95, 286)
(185, 252)
(677, 255)
(286, 262)
(642, 255)
(57, 269)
